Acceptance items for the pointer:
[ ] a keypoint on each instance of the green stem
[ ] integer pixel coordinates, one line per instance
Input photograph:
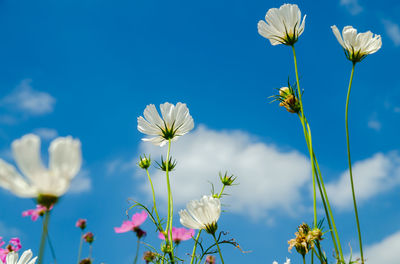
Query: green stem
(330, 215)
(304, 259)
(44, 235)
(52, 251)
(219, 250)
(137, 251)
(222, 190)
(80, 248)
(90, 251)
(168, 229)
(195, 246)
(154, 196)
(349, 158)
(302, 118)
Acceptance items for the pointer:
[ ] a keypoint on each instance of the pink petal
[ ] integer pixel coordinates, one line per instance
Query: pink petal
(139, 218)
(125, 227)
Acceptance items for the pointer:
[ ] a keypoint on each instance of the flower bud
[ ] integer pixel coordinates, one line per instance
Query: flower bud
(210, 259)
(149, 256)
(227, 180)
(166, 164)
(86, 261)
(145, 162)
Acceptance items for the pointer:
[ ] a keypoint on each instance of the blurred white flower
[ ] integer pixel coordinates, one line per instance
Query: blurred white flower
(176, 121)
(65, 160)
(287, 261)
(357, 46)
(12, 258)
(284, 25)
(201, 214)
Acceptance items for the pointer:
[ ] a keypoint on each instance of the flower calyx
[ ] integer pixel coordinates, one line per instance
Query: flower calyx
(144, 162)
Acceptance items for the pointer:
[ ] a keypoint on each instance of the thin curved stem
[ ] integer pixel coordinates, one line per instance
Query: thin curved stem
(44, 235)
(154, 196)
(302, 118)
(168, 229)
(349, 158)
(137, 251)
(80, 248)
(195, 246)
(219, 250)
(52, 251)
(328, 206)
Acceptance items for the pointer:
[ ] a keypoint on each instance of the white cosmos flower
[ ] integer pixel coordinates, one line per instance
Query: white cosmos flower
(175, 122)
(284, 25)
(65, 160)
(287, 261)
(201, 214)
(12, 258)
(357, 46)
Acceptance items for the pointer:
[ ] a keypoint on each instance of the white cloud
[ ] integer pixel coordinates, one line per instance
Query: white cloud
(46, 133)
(119, 165)
(81, 183)
(374, 123)
(269, 178)
(372, 176)
(393, 31)
(8, 232)
(385, 251)
(28, 101)
(352, 6)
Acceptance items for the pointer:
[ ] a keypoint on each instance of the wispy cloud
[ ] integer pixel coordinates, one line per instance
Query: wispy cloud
(352, 6)
(372, 176)
(374, 123)
(8, 231)
(385, 251)
(46, 133)
(268, 177)
(24, 99)
(392, 30)
(81, 183)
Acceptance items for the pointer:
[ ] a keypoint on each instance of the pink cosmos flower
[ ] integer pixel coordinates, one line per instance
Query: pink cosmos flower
(35, 213)
(88, 237)
(179, 234)
(132, 225)
(81, 223)
(14, 245)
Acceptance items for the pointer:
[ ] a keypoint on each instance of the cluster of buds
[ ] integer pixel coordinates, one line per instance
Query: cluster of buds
(288, 98)
(144, 162)
(304, 240)
(149, 256)
(227, 180)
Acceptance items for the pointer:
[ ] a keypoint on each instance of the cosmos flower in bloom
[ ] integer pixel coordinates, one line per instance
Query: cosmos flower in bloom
(81, 223)
(35, 213)
(179, 234)
(64, 163)
(13, 246)
(26, 258)
(283, 25)
(202, 214)
(175, 122)
(133, 224)
(357, 46)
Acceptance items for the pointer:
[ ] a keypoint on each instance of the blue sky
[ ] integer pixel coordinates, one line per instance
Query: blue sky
(89, 68)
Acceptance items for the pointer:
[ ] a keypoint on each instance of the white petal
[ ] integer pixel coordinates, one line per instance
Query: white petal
(167, 112)
(65, 158)
(26, 151)
(26, 256)
(11, 180)
(336, 32)
(187, 221)
(12, 258)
